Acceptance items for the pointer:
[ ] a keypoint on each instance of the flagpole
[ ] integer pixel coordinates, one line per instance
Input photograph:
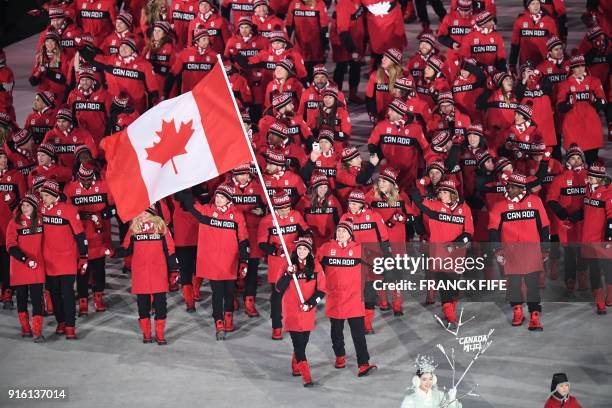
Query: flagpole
(261, 180)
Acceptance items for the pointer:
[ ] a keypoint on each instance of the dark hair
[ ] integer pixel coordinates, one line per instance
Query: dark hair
(315, 199)
(309, 267)
(19, 213)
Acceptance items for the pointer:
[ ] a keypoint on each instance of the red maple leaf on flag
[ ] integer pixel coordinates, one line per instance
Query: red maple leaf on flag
(171, 144)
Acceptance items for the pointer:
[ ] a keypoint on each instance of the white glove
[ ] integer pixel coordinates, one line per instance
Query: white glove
(452, 394)
(305, 307)
(32, 264)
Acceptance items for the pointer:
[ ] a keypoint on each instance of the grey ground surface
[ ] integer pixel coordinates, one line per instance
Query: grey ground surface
(109, 366)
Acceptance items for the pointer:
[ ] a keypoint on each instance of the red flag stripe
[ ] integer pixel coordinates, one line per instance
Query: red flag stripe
(123, 176)
(220, 121)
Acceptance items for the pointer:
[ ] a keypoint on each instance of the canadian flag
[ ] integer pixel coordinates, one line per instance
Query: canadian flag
(177, 144)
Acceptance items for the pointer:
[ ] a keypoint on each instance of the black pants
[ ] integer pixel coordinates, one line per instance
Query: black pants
(5, 262)
(571, 256)
(35, 291)
(62, 297)
(300, 341)
(222, 297)
(159, 303)
(97, 269)
(250, 282)
(421, 9)
(354, 69)
(591, 156)
(255, 112)
(369, 295)
(187, 261)
(597, 267)
(447, 295)
(357, 325)
(276, 308)
(533, 291)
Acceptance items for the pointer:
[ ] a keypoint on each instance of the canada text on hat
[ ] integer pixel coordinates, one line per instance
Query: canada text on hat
(65, 114)
(525, 110)
(320, 69)
(56, 12)
(281, 199)
(276, 158)
(483, 17)
(127, 19)
(475, 129)
(37, 181)
(429, 39)
(278, 129)
(318, 179)
(552, 42)
(86, 72)
(445, 97)
(22, 137)
(5, 119)
(447, 185)
(574, 150)
(597, 169)
(326, 134)
(405, 84)
(226, 190)
(130, 42)
(86, 171)
(390, 174)
(163, 25)
(53, 35)
(245, 20)
(349, 153)
(356, 196)
(199, 33)
(499, 77)
(287, 64)
(347, 224)
(464, 5)
(394, 55)
(501, 163)
(80, 149)
(51, 187)
(517, 179)
(281, 100)
(242, 169)
(440, 138)
(481, 157)
(577, 61)
(435, 63)
(31, 199)
(305, 242)
(399, 106)
(331, 91)
(436, 165)
(594, 32)
(278, 36)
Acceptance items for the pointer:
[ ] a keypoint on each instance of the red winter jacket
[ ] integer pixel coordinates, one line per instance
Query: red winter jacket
(454, 27)
(61, 174)
(291, 86)
(285, 180)
(570, 402)
(246, 199)
(51, 77)
(185, 226)
(238, 8)
(222, 241)
(311, 98)
(96, 17)
(566, 192)
(64, 239)
(389, 212)
(91, 111)
(343, 279)
(191, 66)
(581, 123)
(162, 60)
(597, 219)
(22, 160)
(348, 17)
(379, 95)
(152, 257)
(265, 61)
(539, 94)
(136, 78)
(308, 24)
(24, 243)
(110, 46)
(520, 224)
(529, 38)
(12, 189)
(322, 218)
(292, 227)
(65, 143)
(486, 49)
(68, 34)
(312, 285)
(39, 123)
(95, 206)
(218, 30)
(268, 25)
(236, 45)
(499, 115)
(180, 14)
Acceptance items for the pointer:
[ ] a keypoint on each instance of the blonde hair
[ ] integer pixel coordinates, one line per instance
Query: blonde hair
(153, 10)
(392, 195)
(159, 226)
(394, 72)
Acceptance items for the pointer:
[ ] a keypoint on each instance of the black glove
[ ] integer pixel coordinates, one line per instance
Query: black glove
(185, 198)
(268, 249)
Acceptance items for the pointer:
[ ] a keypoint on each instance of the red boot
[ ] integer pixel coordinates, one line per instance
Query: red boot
(295, 370)
(24, 321)
(145, 328)
(99, 302)
(340, 362)
(383, 304)
(189, 300)
(519, 317)
(600, 301)
(61, 328)
(174, 284)
(160, 325)
(249, 306)
(582, 280)
(450, 314)
(83, 307)
(229, 322)
(534, 322)
(70, 333)
(196, 282)
(277, 334)
(609, 295)
(396, 303)
(305, 371)
(7, 299)
(369, 318)
(37, 324)
(364, 369)
(220, 330)
(48, 303)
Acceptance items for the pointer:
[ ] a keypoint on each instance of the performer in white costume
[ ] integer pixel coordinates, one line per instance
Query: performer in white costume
(425, 393)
